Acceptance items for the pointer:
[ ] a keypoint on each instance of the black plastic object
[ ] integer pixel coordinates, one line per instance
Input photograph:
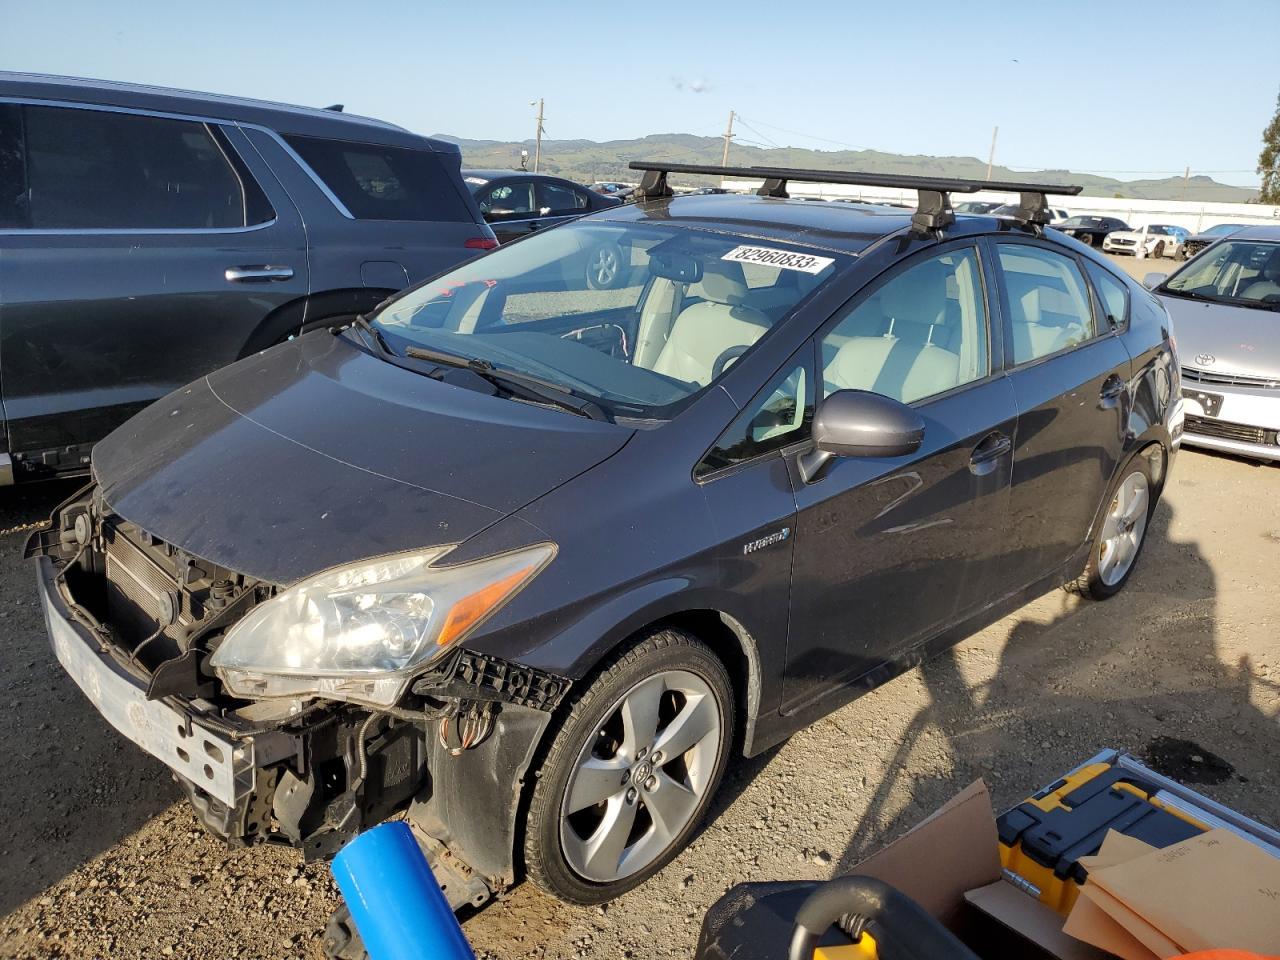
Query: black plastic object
(770, 921)
(899, 925)
(1058, 838)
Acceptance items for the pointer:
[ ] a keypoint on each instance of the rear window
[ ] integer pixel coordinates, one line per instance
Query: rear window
(68, 168)
(384, 183)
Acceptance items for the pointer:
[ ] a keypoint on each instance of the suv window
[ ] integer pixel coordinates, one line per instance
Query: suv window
(507, 201)
(921, 333)
(561, 200)
(13, 168)
(94, 169)
(781, 414)
(1113, 294)
(375, 182)
(1048, 303)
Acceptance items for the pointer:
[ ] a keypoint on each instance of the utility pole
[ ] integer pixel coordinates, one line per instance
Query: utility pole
(1186, 182)
(991, 157)
(728, 135)
(537, 144)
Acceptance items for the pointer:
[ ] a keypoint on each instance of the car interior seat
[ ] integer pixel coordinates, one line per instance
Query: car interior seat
(1267, 283)
(703, 332)
(913, 357)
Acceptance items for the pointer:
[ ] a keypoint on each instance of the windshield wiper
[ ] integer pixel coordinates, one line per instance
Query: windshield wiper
(531, 386)
(379, 340)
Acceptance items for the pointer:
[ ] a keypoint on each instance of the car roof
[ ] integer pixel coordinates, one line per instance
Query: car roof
(498, 174)
(1262, 231)
(842, 227)
(281, 117)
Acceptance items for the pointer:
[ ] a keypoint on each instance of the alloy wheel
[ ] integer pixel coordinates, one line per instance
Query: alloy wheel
(604, 266)
(642, 778)
(1123, 528)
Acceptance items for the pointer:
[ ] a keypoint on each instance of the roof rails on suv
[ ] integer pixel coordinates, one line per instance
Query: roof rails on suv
(933, 210)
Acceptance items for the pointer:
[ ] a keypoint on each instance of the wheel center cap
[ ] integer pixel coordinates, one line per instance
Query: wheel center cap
(640, 772)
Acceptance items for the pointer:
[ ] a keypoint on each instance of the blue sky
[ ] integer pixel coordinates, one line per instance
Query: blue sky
(1125, 87)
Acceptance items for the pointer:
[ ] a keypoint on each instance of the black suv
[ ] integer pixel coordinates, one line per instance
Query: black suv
(148, 236)
(550, 556)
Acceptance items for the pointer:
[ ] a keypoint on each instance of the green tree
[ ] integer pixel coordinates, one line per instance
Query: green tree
(1269, 160)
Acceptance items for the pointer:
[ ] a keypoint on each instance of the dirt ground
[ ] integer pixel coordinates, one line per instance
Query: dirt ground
(103, 859)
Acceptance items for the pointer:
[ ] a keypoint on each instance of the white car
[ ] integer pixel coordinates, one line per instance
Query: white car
(1009, 211)
(1153, 240)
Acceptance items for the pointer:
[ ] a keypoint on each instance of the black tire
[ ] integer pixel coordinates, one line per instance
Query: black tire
(1158, 252)
(1093, 584)
(607, 267)
(1085, 238)
(664, 650)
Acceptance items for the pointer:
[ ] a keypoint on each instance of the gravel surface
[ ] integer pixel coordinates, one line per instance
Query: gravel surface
(104, 860)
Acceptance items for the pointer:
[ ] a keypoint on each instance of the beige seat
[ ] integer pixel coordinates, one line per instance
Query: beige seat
(1267, 283)
(906, 363)
(704, 331)
(1034, 339)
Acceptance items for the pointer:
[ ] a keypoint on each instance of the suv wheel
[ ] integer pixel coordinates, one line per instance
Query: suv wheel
(631, 770)
(1120, 537)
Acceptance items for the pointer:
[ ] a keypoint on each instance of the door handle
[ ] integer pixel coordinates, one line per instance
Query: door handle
(1111, 393)
(983, 459)
(262, 274)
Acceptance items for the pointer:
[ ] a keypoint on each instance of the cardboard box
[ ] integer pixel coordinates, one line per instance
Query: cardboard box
(950, 865)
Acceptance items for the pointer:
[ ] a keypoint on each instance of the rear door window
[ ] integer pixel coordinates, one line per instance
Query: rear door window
(561, 200)
(96, 169)
(13, 168)
(1048, 302)
(375, 182)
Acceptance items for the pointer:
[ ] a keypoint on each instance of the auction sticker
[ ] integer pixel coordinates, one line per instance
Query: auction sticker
(784, 259)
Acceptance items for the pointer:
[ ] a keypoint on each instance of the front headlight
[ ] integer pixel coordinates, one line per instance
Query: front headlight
(357, 632)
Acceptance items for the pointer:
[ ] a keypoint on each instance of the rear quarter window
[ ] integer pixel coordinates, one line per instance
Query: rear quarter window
(376, 182)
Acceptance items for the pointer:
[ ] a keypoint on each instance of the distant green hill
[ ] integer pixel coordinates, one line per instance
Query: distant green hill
(588, 161)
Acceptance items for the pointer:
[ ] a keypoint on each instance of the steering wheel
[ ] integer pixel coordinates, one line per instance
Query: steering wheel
(727, 357)
(899, 925)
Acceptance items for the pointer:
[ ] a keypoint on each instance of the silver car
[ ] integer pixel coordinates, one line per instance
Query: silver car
(1225, 306)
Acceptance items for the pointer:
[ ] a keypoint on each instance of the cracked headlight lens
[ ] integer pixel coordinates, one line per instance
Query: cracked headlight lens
(357, 632)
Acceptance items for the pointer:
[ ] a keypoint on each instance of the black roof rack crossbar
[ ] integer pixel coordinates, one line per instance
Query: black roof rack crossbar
(933, 211)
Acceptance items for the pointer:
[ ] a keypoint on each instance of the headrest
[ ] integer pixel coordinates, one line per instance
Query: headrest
(1271, 269)
(918, 296)
(724, 282)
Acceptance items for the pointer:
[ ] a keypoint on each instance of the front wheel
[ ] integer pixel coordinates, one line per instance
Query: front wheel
(1086, 239)
(631, 771)
(1158, 252)
(1118, 542)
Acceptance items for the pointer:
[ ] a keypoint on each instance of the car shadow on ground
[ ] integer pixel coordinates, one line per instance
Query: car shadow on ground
(73, 786)
(1143, 665)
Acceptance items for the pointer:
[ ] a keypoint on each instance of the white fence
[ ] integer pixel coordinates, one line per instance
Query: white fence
(1195, 215)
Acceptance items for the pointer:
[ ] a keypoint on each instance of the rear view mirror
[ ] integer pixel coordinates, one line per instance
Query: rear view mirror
(674, 266)
(1153, 280)
(855, 423)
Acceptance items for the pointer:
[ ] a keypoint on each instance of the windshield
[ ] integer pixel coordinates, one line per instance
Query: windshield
(1224, 228)
(636, 317)
(1080, 222)
(1242, 272)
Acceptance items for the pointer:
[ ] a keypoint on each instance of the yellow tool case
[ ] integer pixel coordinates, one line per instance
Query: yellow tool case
(1043, 838)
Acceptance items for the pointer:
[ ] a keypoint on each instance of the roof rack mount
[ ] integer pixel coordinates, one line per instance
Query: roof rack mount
(933, 210)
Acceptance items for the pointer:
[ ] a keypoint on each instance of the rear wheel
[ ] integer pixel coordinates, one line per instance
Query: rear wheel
(1118, 542)
(631, 771)
(1085, 238)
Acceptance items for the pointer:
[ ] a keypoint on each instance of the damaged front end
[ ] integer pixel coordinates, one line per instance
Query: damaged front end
(136, 622)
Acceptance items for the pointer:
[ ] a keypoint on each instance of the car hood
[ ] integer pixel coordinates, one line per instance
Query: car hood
(1124, 235)
(1226, 339)
(315, 453)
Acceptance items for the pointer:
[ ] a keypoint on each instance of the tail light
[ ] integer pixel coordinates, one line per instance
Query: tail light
(481, 243)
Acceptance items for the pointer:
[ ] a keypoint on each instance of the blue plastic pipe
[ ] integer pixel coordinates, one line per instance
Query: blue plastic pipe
(395, 902)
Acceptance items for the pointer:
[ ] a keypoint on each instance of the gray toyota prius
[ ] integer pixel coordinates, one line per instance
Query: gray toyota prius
(533, 561)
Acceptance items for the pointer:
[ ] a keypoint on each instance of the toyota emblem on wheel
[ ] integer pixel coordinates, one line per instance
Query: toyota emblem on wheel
(1206, 359)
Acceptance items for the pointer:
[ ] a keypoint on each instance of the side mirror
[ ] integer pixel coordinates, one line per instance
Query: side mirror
(1153, 280)
(855, 423)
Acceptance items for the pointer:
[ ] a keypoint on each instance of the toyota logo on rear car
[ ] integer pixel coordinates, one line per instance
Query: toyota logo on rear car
(1205, 359)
